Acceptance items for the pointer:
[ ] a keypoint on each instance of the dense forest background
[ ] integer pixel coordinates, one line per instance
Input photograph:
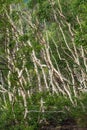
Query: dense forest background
(43, 63)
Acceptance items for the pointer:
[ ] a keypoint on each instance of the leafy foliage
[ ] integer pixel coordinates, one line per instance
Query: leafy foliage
(43, 65)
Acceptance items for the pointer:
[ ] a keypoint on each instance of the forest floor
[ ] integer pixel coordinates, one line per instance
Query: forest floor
(62, 128)
(68, 124)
